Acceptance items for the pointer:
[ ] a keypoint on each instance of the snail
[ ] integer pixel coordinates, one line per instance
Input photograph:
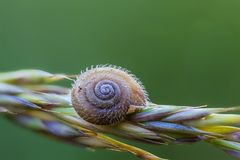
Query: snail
(104, 95)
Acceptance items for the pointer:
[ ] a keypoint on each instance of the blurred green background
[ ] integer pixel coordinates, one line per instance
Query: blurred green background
(185, 52)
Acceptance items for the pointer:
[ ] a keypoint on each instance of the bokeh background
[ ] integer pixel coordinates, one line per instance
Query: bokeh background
(185, 53)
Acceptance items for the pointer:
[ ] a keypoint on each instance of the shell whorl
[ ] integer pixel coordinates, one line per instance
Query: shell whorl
(103, 95)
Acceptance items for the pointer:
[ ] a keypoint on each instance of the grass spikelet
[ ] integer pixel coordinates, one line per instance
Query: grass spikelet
(27, 98)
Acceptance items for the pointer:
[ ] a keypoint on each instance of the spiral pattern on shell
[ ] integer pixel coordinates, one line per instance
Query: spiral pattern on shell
(103, 95)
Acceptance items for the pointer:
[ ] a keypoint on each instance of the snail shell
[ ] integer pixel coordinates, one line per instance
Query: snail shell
(103, 95)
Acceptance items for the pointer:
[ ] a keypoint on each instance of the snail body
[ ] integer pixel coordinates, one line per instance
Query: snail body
(103, 95)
